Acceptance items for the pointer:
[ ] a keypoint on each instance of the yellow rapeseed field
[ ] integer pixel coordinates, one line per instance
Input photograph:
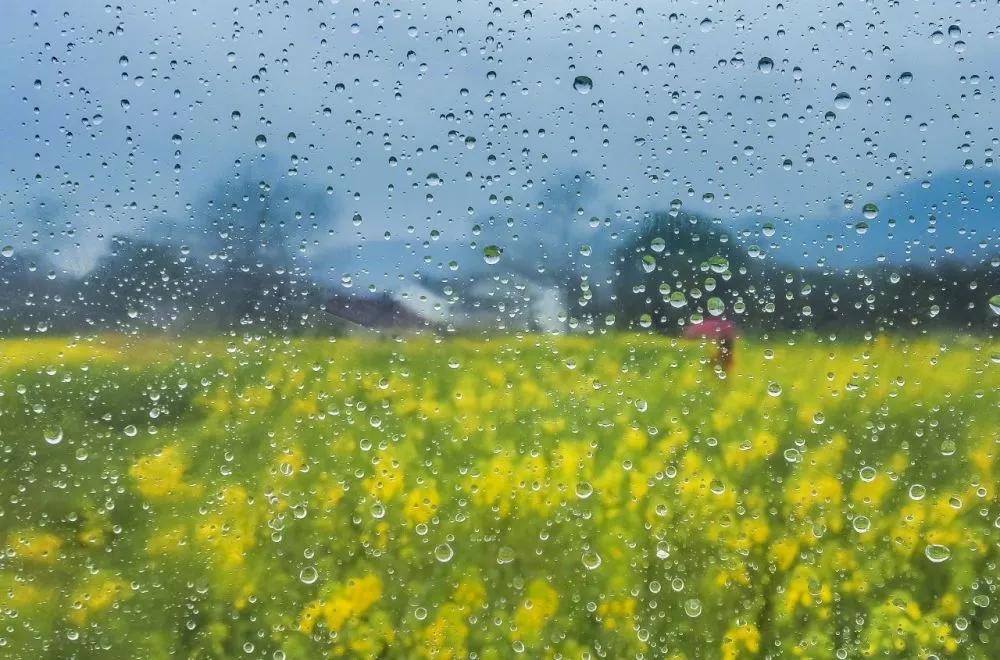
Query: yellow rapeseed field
(551, 497)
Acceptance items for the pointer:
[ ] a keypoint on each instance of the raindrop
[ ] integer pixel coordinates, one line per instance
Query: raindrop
(261, 141)
(937, 553)
(583, 84)
(443, 553)
(53, 434)
(842, 101)
(765, 65)
(491, 254)
(591, 560)
(308, 575)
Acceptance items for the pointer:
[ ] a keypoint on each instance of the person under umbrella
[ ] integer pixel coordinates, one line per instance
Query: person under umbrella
(722, 332)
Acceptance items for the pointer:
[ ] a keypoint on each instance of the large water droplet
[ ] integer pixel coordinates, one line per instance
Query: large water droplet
(53, 434)
(492, 254)
(443, 553)
(583, 84)
(715, 306)
(842, 101)
(308, 575)
(937, 553)
(765, 65)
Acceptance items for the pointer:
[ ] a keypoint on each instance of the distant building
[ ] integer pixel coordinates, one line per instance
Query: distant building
(501, 302)
(381, 312)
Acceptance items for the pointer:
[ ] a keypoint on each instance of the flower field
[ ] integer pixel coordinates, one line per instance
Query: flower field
(551, 497)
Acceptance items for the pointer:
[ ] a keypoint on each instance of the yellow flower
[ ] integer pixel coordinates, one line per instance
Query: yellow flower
(445, 637)
(232, 530)
(344, 604)
(784, 552)
(536, 610)
(97, 596)
(617, 613)
(741, 638)
(421, 504)
(35, 546)
(160, 475)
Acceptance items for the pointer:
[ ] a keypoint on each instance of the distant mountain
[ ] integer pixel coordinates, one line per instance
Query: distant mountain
(952, 215)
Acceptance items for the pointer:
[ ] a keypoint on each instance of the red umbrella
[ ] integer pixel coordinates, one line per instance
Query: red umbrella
(719, 329)
(722, 332)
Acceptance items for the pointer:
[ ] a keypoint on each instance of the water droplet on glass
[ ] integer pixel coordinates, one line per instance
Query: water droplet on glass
(583, 84)
(591, 560)
(937, 553)
(765, 65)
(443, 553)
(491, 254)
(842, 101)
(53, 434)
(692, 607)
(261, 141)
(308, 575)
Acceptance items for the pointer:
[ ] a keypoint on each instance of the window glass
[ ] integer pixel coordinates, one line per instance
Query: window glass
(397, 329)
